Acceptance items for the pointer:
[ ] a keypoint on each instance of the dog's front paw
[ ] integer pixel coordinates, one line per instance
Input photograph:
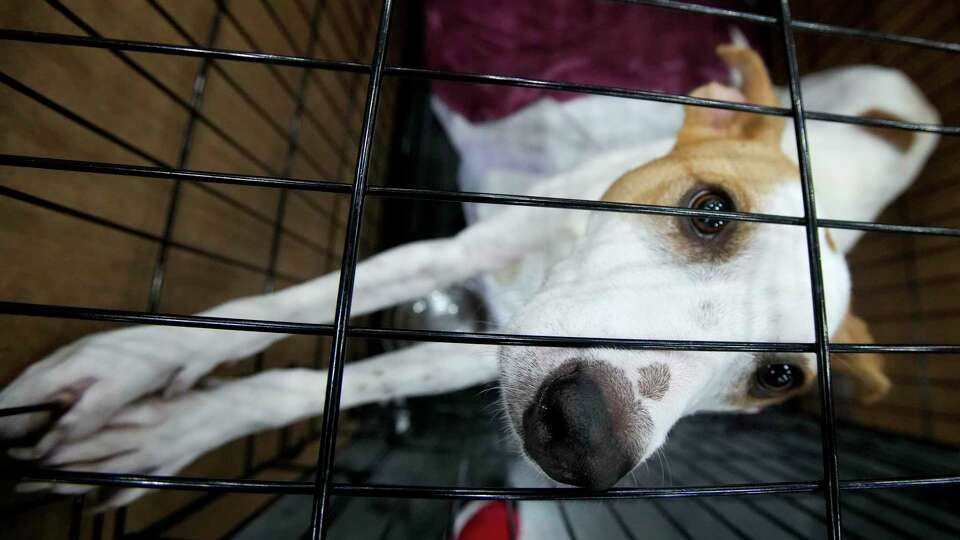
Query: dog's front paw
(92, 378)
(156, 436)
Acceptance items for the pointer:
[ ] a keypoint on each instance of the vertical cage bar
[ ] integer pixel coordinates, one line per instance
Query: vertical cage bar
(159, 84)
(772, 517)
(668, 517)
(512, 514)
(285, 32)
(618, 519)
(120, 523)
(567, 524)
(348, 267)
(296, 125)
(293, 142)
(76, 517)
(333, 222)
(97, 532)
(284, 84)
(831, 486)
(196, 100)
(227, 78)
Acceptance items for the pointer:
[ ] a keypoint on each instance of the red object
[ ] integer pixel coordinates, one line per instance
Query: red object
(490, 523)
(578, 41)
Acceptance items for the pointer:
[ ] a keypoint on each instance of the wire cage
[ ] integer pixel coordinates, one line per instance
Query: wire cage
(173, 155)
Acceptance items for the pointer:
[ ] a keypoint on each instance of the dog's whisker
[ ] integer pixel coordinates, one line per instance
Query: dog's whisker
(659, 455)
(666, 461)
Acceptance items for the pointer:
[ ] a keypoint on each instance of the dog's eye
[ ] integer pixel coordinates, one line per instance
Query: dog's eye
(773, 379)
(710, 200)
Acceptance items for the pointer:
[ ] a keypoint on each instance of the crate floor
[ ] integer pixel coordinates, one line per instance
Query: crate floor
(456, 443)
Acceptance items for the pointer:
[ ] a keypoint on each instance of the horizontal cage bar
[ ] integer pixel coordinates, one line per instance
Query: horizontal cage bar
(27, 409)
(219, 257)
(805, 26)
(452, 196)
(518, 340)
(448, 492)
(74, 117)
(354, 67)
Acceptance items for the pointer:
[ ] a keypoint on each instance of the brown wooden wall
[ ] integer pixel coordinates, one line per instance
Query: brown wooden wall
(222, 235)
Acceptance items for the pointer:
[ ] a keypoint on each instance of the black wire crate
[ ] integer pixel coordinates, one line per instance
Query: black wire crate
(775, 447)
(162, 157)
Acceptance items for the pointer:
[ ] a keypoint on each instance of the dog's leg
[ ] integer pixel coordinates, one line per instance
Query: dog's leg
(99, 374)
(163, 435)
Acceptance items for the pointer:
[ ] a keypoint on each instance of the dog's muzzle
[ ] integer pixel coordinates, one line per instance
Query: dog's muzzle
(576, 429)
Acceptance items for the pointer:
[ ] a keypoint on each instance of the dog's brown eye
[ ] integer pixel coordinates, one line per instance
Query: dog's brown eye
(710, 200)
(773, 379)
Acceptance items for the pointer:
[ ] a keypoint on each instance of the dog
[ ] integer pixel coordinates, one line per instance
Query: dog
(584, 416)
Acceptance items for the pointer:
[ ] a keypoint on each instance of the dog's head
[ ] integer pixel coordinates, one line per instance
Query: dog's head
(589, 416)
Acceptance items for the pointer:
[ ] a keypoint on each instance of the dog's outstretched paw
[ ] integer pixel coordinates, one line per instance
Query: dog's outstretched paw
(91, 379)
(154, 436)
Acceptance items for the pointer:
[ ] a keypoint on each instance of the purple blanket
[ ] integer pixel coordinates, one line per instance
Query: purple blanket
(580, 41)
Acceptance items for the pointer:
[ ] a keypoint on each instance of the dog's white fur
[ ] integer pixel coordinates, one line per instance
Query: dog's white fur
(548, 272)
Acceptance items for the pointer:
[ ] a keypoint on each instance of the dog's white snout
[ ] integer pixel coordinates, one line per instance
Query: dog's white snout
(580, 425)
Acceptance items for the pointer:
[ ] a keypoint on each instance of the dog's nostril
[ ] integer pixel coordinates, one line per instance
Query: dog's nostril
(572, 408)
(575, 430)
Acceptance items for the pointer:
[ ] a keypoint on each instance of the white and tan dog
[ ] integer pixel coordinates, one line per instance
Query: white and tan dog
(585, 416)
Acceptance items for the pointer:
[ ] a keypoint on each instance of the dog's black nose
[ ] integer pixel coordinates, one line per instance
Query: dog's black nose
(575, 428)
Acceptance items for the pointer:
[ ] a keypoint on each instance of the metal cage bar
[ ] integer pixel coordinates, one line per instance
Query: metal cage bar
(293, 137)
(431, 74)
(232, 82)
(85, 216)
(828, 435)
(279, 78)
(480, 338)
(191, 107)
(348, 267)
(448, 492)
(196, 100)
(115, 139)
(160, 85)
(453, 196)
(804, 26)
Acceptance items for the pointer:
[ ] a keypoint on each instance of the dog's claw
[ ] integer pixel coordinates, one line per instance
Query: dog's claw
(185, 379)
(156, 436)
(32, 487)
(51, 487)
(23, 453)
(46, 444)
(92, 378)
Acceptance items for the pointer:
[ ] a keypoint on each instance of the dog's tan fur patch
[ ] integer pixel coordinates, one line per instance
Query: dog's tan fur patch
(745, 170)
(866, 368)
(830, 243)
(900, 138)
(736, 152)
(654, 381)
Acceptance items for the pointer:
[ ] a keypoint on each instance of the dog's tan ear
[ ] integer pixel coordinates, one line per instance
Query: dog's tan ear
(866, 368)
(702, 123)
(900, 138)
